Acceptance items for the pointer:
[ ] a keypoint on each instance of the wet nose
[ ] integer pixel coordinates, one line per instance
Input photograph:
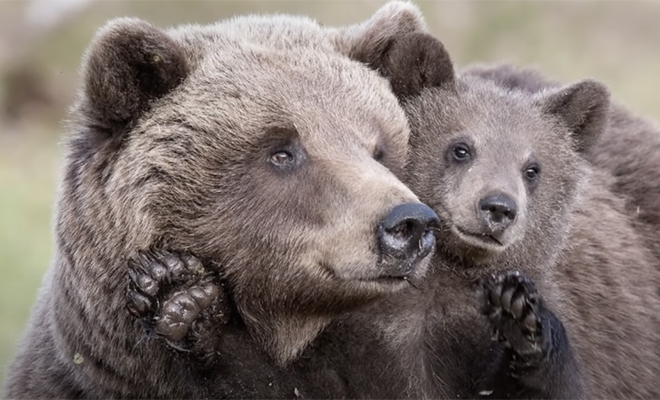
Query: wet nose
(406, 235)
(498, 211)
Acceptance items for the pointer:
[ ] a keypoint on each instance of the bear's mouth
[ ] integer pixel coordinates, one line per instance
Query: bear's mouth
(385, 280)
(379, 279)
(481, 240)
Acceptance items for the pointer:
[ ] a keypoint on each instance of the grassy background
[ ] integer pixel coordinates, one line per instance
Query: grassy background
(616, 42)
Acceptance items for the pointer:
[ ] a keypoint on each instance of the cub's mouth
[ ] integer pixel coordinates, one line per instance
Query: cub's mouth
(480, 240)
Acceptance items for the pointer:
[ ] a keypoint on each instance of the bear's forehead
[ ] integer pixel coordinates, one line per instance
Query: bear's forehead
(510, 117)
(281, 32)
(330, 100)
(253, 72)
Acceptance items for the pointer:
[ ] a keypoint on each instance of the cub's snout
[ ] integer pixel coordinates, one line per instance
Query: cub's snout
(497, 211)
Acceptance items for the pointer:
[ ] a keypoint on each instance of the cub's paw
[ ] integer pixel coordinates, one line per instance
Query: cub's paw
(515, 311)
(538, 361)
(169, 291)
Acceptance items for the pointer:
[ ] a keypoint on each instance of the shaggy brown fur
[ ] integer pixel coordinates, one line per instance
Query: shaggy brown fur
(433, 341)
(255, 145)
(572, 234)
(473, 135)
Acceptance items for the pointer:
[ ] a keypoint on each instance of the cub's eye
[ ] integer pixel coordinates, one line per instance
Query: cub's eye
(461, 152)
(281, 158)
(532, 173)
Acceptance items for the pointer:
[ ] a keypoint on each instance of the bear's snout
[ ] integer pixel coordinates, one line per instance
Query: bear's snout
(405, 236)
(497, 212)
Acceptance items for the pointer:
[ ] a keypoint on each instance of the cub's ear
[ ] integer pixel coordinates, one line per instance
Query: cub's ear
(582, 107)
(129, 64)
(395, 42)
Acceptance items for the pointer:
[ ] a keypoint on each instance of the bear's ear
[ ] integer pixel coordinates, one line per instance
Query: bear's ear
(414, 62)
(129, 64)
(583, 107)
(395, 42)
(392, 20)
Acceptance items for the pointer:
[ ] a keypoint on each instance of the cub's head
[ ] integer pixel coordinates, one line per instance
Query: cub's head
(502, 167)
(257, 146)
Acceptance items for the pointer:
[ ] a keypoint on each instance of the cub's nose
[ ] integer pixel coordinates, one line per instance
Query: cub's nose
(497, 211)
(405, 236)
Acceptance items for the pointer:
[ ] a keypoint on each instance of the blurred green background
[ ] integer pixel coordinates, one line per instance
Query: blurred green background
(40, 48)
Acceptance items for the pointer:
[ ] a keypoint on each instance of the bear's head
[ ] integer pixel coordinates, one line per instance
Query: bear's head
(503, 168)
(255, 145)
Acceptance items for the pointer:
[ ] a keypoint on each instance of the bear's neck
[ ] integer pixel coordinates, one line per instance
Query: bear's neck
(284, 337)
(87, 309)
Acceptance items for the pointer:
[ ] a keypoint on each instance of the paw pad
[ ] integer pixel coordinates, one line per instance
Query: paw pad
(156, 273)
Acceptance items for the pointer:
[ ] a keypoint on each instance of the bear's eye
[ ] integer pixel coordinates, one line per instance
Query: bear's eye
(532, 173)
(379, 154)
(461, 152)
(281, 158)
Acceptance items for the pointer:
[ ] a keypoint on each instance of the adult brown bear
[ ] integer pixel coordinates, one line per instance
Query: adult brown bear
(252, 143)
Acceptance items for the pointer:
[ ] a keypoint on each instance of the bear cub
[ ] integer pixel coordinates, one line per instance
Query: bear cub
(516, 178)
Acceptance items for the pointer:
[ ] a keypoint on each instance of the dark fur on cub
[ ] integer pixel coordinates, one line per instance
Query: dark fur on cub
(510, 173)
(219, 142)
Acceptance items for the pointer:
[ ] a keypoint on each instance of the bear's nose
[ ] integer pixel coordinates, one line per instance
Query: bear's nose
(406, 236)
(497, 211)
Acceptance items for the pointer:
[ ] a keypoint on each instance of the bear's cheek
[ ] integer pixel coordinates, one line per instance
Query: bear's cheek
(364, 194)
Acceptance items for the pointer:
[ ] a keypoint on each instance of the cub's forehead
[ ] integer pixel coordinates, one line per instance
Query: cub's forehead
(503, 114)
(499, 121)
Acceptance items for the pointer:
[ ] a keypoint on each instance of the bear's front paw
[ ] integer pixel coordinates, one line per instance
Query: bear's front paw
(513, 307)
(169, 291)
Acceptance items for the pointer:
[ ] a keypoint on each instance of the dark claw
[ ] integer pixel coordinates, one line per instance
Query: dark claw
(505, 300)
(174, 264)
(181, 284)
(517, 306)
(512, 307)
(158, 271)
(138, 304)
(530, 322)
(193, 263)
